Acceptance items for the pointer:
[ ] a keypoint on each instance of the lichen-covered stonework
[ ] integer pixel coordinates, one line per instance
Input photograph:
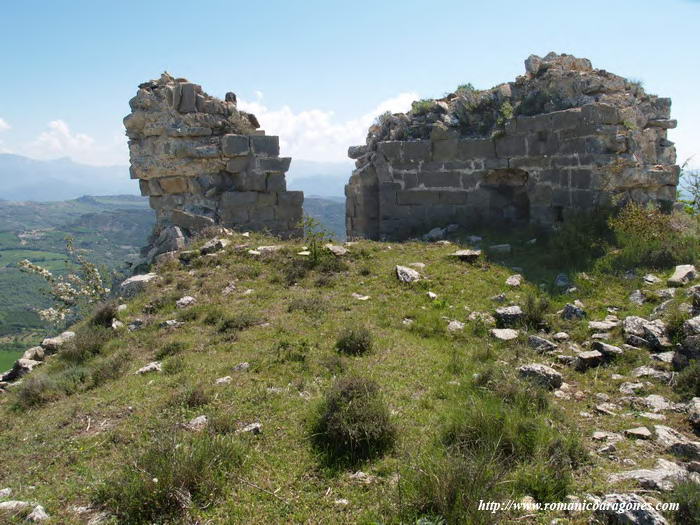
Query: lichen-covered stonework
(564, 137)
(202, 162)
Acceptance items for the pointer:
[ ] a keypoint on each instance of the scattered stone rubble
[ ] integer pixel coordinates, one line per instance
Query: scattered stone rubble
(562, 137)
(203, 162)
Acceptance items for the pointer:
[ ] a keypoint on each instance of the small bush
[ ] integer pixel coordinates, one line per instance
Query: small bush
(354, 341)
(238, 322)
(35, 390)
(352, 423)
(191, 397)
(687, 495)
(173, 365)
(308, 304)
(687, 383)
(581, 239)
(534, 310)
(171, 348)
(649, 238)
(104, 313)
(423, 107)
(172, 474)
(88, 342)
(287, 351)
(334, 363)
(109, 368)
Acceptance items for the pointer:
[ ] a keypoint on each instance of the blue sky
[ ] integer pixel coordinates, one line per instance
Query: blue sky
(315, 72)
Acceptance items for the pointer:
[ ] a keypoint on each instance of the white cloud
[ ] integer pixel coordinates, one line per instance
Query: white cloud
(4, 126)
(315, 134)
(60, 141)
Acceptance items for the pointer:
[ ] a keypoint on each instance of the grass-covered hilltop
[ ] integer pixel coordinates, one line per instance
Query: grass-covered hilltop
(249, 379)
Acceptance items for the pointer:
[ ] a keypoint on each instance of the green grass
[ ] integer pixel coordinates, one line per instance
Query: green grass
(457, 408)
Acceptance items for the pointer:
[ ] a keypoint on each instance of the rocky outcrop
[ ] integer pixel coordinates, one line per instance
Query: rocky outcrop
(202, 162)
(563, 137)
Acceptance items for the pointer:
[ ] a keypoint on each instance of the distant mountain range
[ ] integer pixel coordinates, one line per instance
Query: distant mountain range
(25, 179)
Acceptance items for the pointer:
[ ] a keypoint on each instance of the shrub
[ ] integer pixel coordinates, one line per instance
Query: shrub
(307, 304)
(354, 341)
(687, 495)
(88, 342)
(173, 365)
(687, 383)
(238, 322)
(650, 238)
(35, 390)
(109, 368)
(534, 311)
(286, 351)
(352, 422)
(191, 397)
(498, 443)
(171, 348)
(173, 473)
(422, 107)
(104, 313)
(580, 240)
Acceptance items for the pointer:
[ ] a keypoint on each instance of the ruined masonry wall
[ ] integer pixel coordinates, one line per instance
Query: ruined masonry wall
(537, 168)
(202, 162)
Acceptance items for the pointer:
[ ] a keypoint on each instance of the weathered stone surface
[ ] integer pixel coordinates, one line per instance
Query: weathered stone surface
(509, 315)
(676, 443)
(191, 152)
(136, 284)
(406, 275)
(542, 374)
(683, 274)
(51, 345)
(541, 344)
(663, 477)
(628, 509)
(504, 334)
(459, 160)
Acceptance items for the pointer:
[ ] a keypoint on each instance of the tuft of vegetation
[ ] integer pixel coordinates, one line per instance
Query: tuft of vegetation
(171, 475)
(87, 343)
(352, 422)
(687, 384)
(104, 314)
(650, 238)
(497, 443)
(238, 322)
(423, 106)
(354, 341)
(687, 495)
(171, 348)
(534, 311)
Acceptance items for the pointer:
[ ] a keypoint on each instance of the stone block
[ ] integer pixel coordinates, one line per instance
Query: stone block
(275, 182)
(599, 113)
(453, 197)
(239, 199)
(186, 97)
(173, 184)
(421, 197)
(444, 149)
(235, 145)
(417, 150)
(190, 221)
(265, 145)
(391, 149)
(515, 146)
(291, 198)
(143, 187)
(249, 181)
(184, 131)
(565, 119)
(238, 164)
(277, 164)
(580, 178)
(439, 179)
(288, 213)
(355, 152)
(475, 148)
(266, 199)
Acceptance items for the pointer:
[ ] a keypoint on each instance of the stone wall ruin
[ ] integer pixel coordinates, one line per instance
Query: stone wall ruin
(564, 137)
(203, 162)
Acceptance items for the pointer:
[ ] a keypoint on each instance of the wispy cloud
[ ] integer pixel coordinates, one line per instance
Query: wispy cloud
(315, 134)
(58, 140)
(4, 126)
